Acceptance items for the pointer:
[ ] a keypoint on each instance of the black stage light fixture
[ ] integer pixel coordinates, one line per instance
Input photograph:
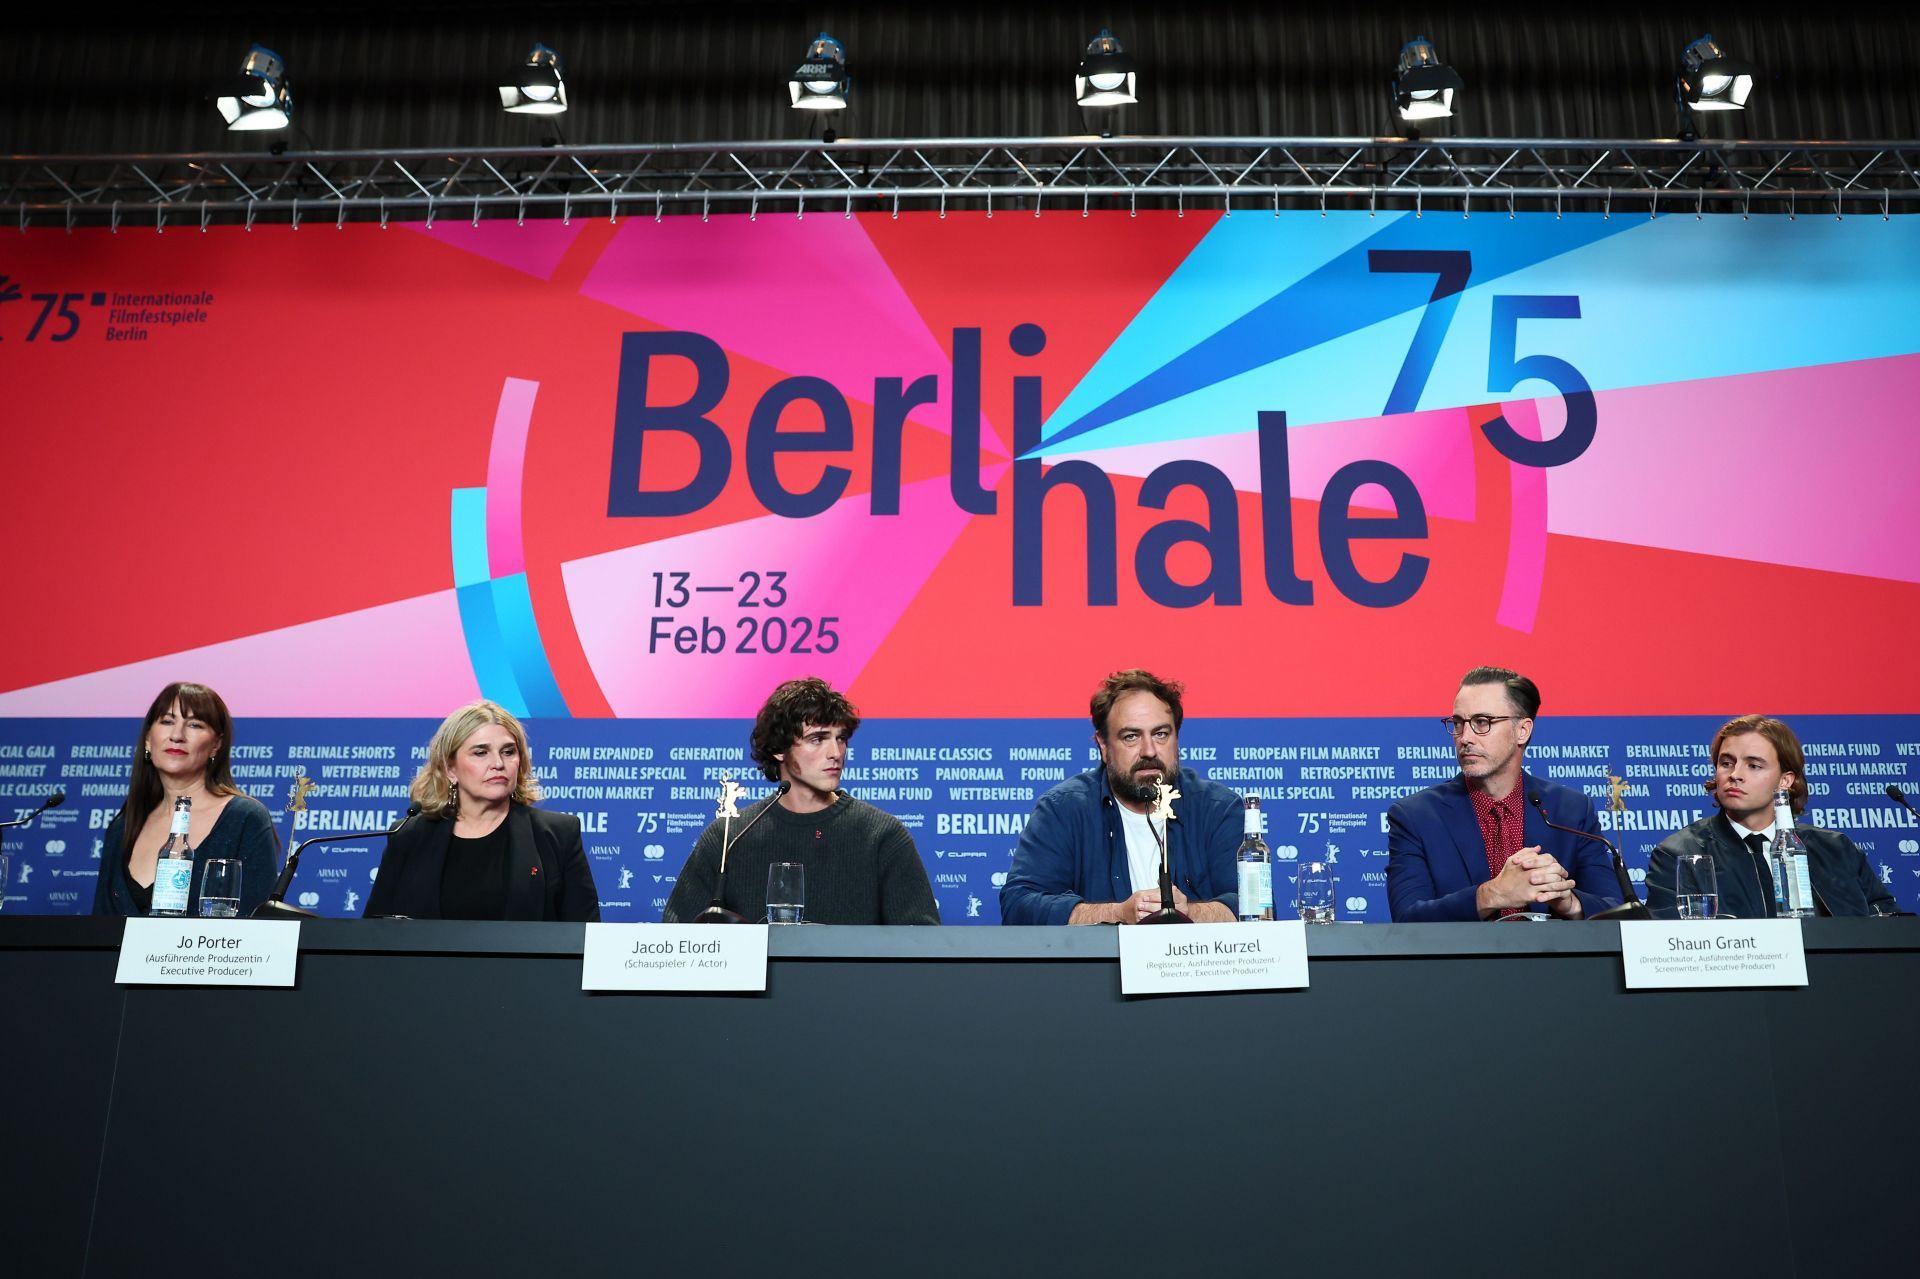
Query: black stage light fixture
(260, 97)
(1106, 76)
(1423, 86)
(820, 82)
(1709, 80)
(535, 87)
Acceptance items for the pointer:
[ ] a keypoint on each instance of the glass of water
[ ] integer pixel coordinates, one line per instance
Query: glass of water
(786, 892)
(220, 888)
(1313, 888)
(1696, 885)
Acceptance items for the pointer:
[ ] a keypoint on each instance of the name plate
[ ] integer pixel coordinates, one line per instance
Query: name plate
(675, 957)
(183, 951)
(1171, 959)
(1689, 954)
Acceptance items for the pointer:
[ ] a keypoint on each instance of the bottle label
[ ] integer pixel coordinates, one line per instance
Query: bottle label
(1801, 885)
(1256, 890)
(172, 883)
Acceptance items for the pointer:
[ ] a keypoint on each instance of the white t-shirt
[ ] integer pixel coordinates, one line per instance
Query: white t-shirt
(1143, 851)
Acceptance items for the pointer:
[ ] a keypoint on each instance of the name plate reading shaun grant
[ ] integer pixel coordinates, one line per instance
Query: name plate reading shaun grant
(1690, 954)
(675, 957)
(1173, 959)
(183, 951)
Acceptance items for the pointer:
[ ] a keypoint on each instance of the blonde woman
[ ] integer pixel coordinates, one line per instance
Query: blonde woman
(479, 849)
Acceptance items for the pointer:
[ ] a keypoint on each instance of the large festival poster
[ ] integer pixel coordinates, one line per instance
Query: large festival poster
(624, 476)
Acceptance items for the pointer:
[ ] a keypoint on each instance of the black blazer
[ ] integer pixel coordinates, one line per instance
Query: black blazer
(1843, 879)
(548, 876)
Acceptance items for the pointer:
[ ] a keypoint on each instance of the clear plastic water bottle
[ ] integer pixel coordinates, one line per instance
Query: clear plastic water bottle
(1792, 879)
(1256, 866)
(173, 869)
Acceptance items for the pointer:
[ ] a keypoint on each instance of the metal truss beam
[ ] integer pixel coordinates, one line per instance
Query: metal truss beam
(1034, 175)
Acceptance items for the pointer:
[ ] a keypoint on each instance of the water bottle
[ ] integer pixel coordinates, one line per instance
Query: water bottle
(1792, 880)
(1256, 866)
(173, 869)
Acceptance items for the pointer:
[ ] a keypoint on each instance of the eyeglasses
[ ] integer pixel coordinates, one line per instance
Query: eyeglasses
(1480, 724)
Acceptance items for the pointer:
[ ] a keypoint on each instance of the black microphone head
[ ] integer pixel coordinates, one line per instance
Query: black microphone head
(782, 789)
(59, 797)
(1895, 794)
(413, 809)
(1533, 797)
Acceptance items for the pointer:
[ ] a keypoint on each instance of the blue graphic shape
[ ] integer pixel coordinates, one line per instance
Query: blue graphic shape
(1343, 295)
(496, 615)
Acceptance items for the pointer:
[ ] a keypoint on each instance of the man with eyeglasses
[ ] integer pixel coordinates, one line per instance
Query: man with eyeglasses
(861, 864)
(1090, 854)
(1481, 846)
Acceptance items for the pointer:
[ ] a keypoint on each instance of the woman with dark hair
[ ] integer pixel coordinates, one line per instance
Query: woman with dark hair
(184, 748)
(480, 849)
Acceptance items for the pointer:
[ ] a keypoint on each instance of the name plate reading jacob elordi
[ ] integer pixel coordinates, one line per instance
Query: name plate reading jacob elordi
(1690, 954)
(183, 951)
(1175, 960)
(675, 957)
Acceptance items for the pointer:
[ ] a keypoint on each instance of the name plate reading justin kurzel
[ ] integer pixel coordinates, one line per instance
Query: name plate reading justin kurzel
(1175, 959)
(1695, 954)
(675, 957)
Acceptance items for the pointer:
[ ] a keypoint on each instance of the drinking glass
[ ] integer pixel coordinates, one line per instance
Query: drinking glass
(1313, 888)
(786, 892)
(220, 888)
(1696, 885)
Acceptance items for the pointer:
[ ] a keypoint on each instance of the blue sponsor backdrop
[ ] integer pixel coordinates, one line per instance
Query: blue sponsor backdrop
(645, 789)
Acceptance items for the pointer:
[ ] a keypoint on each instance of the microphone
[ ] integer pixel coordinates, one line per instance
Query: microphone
(54, 800)
(716, 911)
(1894, 793)
(275, 907)
(1630, 907)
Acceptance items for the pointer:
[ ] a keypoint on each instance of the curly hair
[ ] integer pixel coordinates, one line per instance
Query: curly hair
(789, 709)
(1120, 683)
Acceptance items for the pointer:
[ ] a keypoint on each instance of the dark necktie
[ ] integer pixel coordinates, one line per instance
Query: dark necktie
(1758, 843)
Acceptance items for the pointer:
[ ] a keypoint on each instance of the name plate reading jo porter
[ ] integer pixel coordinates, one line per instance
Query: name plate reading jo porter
(183, 951)
(675, 957)
(1171, 960)
(1692, 954)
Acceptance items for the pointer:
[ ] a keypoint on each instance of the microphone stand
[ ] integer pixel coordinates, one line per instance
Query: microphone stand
(1163, 808)
(275, 906)
(1630, 907)
(716, 911)
(54, 800)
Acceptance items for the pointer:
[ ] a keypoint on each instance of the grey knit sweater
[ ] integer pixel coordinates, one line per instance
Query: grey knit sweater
(862, 866)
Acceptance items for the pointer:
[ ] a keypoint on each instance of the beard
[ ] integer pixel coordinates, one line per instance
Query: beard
(1137, 787)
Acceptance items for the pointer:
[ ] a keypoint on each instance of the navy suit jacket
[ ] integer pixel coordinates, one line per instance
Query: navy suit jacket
(1436, 859)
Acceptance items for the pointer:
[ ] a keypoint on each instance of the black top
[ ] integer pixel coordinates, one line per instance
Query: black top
(545, 874)
(142, 894)
(473, 883)
(244, 830)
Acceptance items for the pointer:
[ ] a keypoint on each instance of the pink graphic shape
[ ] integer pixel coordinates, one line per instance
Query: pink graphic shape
(1526, 528)
(1686, 466)
(535, 248)
(861, 568)
(784, 291)
(1434, 448)
(404, 658)
(506, 458)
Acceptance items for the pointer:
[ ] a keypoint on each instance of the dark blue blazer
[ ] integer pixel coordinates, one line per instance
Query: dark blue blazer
(1436, 859)
(1843, 879)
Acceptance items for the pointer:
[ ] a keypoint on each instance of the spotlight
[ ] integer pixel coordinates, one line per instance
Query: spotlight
(1711, 81)
(260, 96)
(1106, 74)
(1423, 86)
(535, 87)
(820, 82)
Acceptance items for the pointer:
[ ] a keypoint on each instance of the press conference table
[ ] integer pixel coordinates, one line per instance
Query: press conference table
(441, 1098)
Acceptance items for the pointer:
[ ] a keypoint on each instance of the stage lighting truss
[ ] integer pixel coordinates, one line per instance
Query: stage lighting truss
(1038, 176)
